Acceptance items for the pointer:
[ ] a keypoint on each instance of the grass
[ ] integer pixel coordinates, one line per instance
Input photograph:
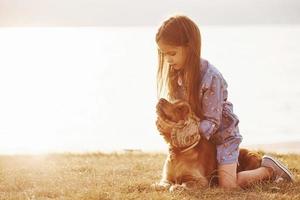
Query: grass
(115, 176)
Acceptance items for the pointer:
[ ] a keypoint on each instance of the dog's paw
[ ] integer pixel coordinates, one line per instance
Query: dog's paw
(160, 186)
(177, 188)
(193, 185)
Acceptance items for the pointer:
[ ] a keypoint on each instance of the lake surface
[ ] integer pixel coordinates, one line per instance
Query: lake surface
(93, 88)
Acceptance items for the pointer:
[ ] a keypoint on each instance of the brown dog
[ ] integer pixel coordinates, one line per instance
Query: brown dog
(196, 166)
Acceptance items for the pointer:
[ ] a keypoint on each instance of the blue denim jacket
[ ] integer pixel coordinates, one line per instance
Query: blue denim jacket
(218, 122)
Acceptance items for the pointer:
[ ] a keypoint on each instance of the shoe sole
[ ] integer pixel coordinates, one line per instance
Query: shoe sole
(281, 166)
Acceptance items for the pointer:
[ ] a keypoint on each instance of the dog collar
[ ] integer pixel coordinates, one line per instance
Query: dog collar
(190, 147)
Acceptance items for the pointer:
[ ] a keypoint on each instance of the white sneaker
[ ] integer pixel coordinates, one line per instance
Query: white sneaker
(280, 171)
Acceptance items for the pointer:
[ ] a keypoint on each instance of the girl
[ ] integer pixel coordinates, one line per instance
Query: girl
(185, 75)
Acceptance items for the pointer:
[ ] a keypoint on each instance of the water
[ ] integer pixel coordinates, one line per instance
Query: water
(93, 89)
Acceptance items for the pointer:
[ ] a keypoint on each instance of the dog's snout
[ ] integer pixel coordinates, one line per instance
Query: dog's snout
(162, 104)
(162, 100)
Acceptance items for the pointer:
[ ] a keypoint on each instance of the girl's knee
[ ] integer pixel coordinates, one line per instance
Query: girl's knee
(227, 175)
(241, 181)
(229, 185)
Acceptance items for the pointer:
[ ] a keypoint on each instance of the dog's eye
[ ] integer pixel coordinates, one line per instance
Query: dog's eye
(179, 109)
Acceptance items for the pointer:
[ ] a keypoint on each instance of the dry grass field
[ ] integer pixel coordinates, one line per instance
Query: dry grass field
(115, 176)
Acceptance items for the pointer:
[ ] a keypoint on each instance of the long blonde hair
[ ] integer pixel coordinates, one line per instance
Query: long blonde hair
(180, 31)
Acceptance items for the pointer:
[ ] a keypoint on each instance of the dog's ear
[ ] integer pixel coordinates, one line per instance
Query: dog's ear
(182, 112)
(184, 109)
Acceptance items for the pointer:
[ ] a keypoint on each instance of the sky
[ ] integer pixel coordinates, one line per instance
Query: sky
(146, 13)
(63, 61)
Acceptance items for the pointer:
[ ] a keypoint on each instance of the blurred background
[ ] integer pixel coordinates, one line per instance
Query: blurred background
(79, 75)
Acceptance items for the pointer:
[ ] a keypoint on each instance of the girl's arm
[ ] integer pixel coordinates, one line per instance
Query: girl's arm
(212, 107)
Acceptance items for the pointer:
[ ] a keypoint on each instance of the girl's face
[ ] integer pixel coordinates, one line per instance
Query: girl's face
(174, 55)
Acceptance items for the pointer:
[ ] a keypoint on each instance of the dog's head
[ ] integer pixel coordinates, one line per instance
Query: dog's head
(173, 112)
(180, 124)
